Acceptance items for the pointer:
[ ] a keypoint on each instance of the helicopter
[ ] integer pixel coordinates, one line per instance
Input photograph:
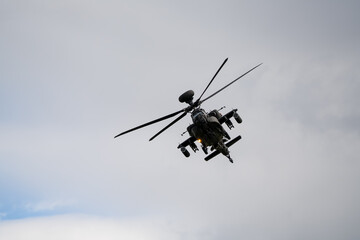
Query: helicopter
(206, 128)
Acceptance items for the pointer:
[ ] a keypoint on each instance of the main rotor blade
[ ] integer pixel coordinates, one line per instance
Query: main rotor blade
(172, 123)
(152, 122)
(212, 79)
(228, 84)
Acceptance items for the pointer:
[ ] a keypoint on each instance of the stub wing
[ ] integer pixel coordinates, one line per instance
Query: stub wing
(187, 142)
(215, 153)
(226, 117)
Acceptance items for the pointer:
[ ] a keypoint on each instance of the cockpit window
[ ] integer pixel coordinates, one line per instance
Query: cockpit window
(198, 115)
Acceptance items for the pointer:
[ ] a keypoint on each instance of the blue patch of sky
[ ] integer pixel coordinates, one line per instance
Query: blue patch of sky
(12, 211)
(16, 200)
(15, 204)
(12, 201)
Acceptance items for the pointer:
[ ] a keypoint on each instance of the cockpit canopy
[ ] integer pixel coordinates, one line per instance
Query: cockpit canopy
(198, 116)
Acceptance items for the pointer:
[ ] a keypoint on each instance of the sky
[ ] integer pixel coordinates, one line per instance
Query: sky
(73, 74)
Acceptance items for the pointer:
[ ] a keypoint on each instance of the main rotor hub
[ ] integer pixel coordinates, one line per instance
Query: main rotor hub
(187, 97)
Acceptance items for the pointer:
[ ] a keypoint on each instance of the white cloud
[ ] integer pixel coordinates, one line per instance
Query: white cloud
(74, 227)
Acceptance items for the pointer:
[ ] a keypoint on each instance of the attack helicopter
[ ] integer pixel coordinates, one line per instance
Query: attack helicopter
(206, 128)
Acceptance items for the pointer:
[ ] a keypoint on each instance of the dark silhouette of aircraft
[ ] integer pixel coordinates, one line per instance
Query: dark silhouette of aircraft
(206, 128)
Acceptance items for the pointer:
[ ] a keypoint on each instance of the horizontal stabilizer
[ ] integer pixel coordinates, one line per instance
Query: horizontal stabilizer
(213, 154)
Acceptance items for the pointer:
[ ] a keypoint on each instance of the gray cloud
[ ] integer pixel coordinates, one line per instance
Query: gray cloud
(74, 74)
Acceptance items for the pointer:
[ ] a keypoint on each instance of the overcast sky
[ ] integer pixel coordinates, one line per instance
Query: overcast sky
(73, 74)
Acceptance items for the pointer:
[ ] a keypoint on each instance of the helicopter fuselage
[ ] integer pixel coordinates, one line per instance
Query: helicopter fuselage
(206, 127)
(208, 131)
